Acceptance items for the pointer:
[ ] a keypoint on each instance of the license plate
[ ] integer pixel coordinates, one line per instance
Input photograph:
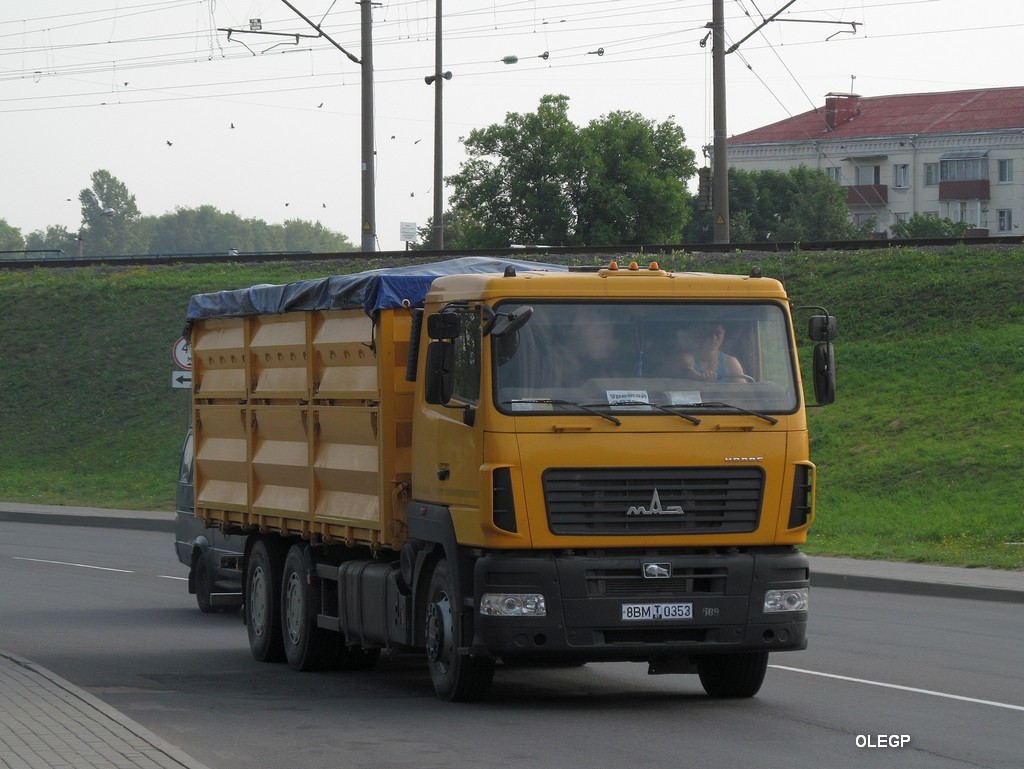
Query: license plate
(656, 611)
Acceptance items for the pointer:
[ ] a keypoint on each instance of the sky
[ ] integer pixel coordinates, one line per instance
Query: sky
(185, 113)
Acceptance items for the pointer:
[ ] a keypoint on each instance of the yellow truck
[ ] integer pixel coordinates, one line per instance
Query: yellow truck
(502, 462)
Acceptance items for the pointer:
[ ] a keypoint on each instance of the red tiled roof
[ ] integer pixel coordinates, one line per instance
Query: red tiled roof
(990, 109)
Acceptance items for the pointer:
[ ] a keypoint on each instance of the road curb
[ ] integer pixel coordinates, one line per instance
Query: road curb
(65, 717)
(915, 587)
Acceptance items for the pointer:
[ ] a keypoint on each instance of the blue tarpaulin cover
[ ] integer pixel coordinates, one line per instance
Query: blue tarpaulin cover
(372, 290)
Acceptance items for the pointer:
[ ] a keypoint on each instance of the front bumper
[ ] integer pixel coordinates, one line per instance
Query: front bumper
(585, 594)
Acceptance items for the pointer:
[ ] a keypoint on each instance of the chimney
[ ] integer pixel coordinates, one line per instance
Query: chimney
(839, 108)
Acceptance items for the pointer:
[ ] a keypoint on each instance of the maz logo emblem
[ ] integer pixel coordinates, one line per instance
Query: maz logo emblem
(655, 508)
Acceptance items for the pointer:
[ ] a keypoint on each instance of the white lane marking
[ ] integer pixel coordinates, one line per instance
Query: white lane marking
(65, 563)
(912, 689)
(167, 576)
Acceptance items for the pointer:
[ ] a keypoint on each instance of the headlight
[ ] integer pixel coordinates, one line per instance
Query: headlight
(513, 605)
(795, 599)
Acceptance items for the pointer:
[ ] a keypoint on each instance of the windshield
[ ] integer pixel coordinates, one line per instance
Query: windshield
(646, 357)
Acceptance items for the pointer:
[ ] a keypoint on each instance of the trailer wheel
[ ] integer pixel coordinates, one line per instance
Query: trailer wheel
(733, 675)
(456, 677)
(263, 602)
(306, 646)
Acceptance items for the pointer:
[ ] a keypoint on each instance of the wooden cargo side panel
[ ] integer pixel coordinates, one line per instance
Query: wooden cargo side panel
(278, 352)
(280, 464)
(221, 459)
(346, 468)
(218, 359)
(344, 363)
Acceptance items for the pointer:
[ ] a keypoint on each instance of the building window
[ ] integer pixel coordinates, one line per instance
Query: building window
(902, 217)
(1005, 220)
(931, 174)
(1005, 171)
(965, 211)
(963, 169)
(863, 221)
(835, 173)
(869, 175)
(901, 175)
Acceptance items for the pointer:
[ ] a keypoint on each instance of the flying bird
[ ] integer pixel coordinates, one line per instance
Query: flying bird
(170, 143)
(318, 106)
(232, 125)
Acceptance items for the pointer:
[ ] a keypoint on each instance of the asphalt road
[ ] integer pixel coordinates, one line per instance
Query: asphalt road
(890, 680)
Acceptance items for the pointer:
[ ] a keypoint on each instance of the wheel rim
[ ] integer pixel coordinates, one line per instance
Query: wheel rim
(293, 608)
(258, 600)
(439, 632)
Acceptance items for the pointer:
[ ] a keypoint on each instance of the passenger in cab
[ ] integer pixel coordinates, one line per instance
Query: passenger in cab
(703, 358)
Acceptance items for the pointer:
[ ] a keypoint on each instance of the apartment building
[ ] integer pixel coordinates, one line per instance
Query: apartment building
(955, 154)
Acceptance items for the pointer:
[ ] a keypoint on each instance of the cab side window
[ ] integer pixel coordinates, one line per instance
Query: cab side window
(466, 388)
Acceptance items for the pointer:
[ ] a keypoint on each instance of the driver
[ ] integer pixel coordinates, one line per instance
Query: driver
(704, 360)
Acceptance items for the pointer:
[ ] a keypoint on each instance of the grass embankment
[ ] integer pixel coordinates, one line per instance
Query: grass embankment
(919, 459)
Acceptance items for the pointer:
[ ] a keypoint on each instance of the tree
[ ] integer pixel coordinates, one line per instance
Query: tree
(539, 179)
(54, 238)
(800, 204)
(10, 237)
(111, 221)
(635, 176)
(517, 182)
(206, 230)
(919, 226)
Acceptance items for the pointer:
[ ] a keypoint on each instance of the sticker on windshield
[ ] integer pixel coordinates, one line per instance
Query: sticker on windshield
(627, 397)
(684, 397)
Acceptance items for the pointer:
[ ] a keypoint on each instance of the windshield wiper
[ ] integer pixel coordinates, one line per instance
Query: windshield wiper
(573, 404)
(658, 407)
(721, 405)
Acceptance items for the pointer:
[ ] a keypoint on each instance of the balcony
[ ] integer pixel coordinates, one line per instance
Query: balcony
(867, 195)
(966, 189)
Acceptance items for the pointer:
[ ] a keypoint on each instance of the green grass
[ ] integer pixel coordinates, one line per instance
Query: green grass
(919, 458)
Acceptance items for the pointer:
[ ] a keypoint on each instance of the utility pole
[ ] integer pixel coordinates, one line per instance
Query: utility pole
(437, 79)
(720, 170)
(369, 240)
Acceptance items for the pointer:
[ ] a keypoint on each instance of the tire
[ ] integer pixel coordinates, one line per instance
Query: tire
(456, 677)
(204, 585)
(306, 646)
(733, 675)
(263, 601)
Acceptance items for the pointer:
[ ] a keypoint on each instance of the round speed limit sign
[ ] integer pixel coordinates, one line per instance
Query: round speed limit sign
(182, 354)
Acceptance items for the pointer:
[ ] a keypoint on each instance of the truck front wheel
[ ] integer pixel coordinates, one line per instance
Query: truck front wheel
(263, 602)
(733, 675)
(456, 677)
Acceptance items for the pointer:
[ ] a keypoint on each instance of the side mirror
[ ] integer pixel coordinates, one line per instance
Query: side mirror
(824, 373)
(508, 322)
(822, 328)
(440, 374)
(443, 325)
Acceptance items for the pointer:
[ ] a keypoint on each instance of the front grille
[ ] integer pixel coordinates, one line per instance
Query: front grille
(625, 583)
(653, 500)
